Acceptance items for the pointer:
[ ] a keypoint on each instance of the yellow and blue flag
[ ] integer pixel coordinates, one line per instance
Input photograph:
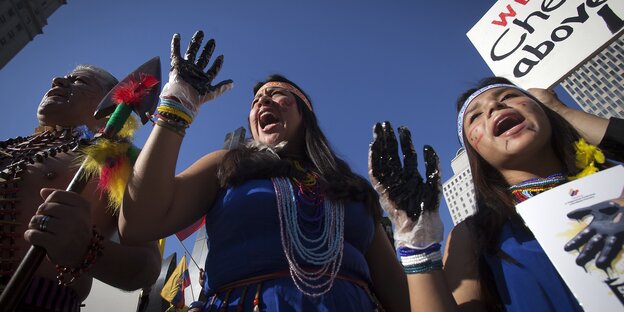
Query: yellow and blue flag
(173, 290)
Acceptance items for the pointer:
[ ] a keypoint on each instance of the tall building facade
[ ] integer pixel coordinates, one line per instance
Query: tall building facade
(598, 85)
(20, 22)
(459, 190)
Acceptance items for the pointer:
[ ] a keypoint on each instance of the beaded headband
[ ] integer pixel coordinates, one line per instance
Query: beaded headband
(462, 111)
(289, 87)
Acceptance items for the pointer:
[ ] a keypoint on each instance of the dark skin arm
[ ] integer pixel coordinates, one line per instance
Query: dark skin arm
(387, 273)
(461, 269)
(68, 233)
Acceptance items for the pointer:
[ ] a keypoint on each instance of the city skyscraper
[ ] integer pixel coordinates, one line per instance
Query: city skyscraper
(598, 85)
(459, 190)
(20, 22)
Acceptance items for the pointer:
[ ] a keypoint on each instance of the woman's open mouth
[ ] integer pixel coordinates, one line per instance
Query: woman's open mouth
(506, 123)
(267, 119)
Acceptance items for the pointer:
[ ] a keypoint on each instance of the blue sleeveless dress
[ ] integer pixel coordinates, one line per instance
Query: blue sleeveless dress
(529, 282)
(244, 241)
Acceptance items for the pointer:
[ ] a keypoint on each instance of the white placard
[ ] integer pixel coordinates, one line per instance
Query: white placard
(546, 216)
(536, 43)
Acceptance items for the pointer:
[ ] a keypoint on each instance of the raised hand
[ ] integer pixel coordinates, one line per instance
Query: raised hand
(188, 83)
(604, 235)
(411, 203)
(548, 98)
(403, 185)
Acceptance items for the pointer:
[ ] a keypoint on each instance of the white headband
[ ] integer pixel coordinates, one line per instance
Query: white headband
(462, 111)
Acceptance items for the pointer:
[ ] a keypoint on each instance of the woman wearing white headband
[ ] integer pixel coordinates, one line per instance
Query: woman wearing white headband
(517, 147)
(290, 226)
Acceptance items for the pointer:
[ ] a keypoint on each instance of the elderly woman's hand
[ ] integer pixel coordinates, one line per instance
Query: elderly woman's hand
(411, 203)
(188, 83)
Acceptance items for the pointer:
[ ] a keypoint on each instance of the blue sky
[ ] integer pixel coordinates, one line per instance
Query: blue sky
(360, 61)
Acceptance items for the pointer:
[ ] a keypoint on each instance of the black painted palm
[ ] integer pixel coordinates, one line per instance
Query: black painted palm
(403, 184)
(410, 202)
(603, 236)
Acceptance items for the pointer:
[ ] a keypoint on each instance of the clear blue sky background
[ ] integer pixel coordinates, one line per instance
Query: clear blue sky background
(361, 62)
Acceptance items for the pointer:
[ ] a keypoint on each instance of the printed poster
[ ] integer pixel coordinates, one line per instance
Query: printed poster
(557, 216)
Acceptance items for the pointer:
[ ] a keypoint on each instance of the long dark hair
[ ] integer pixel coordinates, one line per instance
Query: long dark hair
(337, 180)
(495, 206)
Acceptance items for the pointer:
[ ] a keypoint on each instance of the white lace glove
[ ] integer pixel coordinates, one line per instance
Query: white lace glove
(411, 203)
(188, 84)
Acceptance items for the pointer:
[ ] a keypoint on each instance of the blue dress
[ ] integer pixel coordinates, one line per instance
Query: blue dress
(244, 239)
(529, 282)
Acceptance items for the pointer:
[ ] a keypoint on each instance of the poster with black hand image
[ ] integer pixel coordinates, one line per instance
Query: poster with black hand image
(580, 226)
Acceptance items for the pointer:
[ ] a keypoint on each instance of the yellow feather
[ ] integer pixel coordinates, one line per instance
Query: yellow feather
(129, 128)
(95, 156)
(117, 185)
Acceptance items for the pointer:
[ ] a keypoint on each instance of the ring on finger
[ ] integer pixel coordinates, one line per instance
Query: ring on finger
(43, 223)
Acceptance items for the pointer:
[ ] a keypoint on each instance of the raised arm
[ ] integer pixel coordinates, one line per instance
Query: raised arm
(461, 269)
(157, 203)
(387, 273)
(412, 205)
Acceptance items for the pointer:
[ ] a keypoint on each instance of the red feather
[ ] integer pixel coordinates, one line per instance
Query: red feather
(132, 91)
(112, 164)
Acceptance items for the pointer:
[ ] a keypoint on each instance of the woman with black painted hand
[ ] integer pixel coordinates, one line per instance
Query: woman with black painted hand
(290, 226)
(517, 148)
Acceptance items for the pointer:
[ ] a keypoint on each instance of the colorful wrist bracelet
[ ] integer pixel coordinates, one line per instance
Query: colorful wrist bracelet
(171, 125)
(67, 275)
(420, 260)
(172, 107)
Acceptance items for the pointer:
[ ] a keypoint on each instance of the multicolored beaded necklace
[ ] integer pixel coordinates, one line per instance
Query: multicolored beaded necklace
(531, 187)
(309, 190)
(310, 239)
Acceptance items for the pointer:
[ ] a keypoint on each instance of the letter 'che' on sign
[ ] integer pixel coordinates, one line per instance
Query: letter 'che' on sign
(536, 43)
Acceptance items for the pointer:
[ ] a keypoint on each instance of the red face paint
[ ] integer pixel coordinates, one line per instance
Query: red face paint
(475, 138)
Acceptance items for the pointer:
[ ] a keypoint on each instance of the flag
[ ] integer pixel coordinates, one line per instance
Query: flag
(173, 290)
(161, 246)
(184, 234)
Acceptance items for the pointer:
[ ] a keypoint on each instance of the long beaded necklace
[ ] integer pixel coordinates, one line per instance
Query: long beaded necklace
(16, 154)
(317, 239)
(531, 187)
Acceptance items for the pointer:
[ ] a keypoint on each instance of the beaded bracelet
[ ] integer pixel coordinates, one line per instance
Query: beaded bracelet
(94, 251)
(420, 260)
(172, 125)
(169, 116)
(175, 108)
